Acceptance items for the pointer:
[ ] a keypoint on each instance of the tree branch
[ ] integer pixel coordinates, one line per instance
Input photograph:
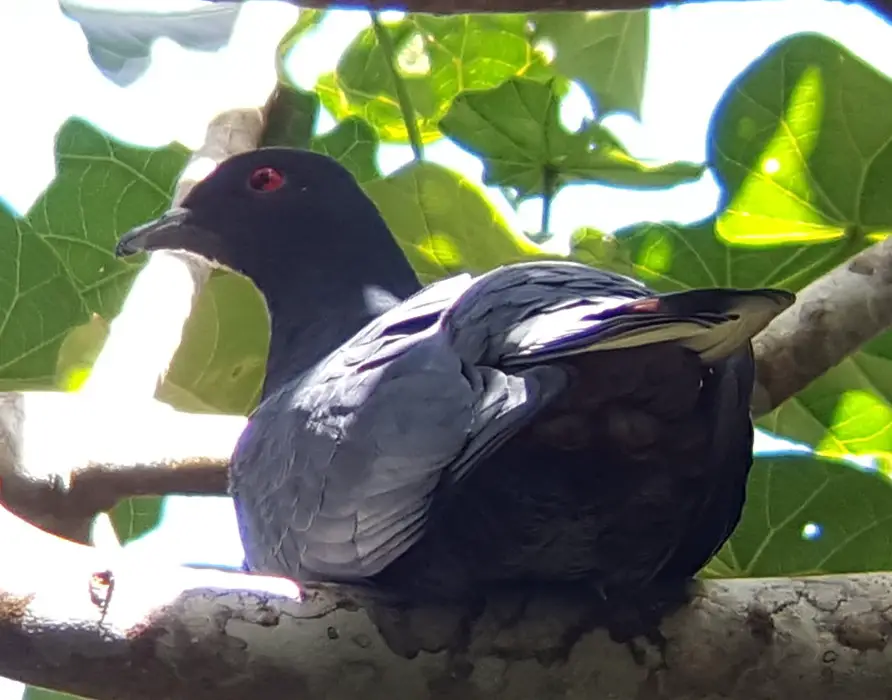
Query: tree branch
(454, 7)
(100, 624)
(831, 319)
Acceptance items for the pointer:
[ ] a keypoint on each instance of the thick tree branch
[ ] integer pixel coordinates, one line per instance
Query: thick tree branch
(103, 625)
(453, 7)
(831, 319)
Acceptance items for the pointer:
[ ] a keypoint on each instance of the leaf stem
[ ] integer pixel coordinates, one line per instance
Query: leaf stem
(383, 36)
(549, 177)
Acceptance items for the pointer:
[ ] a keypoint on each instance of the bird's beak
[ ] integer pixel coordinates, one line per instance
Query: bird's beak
(173, 230)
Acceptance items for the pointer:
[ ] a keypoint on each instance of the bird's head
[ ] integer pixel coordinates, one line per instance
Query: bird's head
(260, 209)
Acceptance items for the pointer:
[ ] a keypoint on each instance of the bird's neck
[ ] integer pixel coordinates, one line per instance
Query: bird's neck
(315, 311)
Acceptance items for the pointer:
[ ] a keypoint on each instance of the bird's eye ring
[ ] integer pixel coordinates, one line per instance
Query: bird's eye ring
(266, 179)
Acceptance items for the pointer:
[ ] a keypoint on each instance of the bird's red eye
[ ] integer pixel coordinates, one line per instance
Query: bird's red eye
(266, 179)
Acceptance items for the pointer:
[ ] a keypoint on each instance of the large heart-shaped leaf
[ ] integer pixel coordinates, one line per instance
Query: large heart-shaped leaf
(802, 144)
(437, 58)
(516, 130)
(670, 257)
(846, 411)
(605, 51)
(444, 224)
(57, 264)
(806, 515)
(354, 144)
(220, 364)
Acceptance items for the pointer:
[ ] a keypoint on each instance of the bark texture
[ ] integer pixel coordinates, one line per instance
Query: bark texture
(833, 317)
(105, 626)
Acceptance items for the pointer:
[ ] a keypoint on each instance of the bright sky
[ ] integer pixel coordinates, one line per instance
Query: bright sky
(695, 52)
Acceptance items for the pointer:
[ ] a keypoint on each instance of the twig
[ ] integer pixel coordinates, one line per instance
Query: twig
(549, 177)
(408, 112)
(107, 625)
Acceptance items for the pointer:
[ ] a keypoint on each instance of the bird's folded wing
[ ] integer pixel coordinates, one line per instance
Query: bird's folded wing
(376, 446)
(373, 432)
(539, 311)
(714, 323)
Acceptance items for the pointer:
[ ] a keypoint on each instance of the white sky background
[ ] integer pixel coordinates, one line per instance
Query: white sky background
(695, 52)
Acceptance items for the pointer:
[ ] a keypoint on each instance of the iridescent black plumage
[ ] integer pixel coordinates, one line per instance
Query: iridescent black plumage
(547, 422)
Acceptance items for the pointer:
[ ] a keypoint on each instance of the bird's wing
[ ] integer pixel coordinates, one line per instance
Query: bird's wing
(356, 449)
(536, 312)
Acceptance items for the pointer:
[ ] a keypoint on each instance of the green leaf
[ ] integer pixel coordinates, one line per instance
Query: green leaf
(437, 58)
(669, 257)
(354, 144)
(32, 692)
(220, 364)
(516, 130)
(134, 517)
(802, 143)
(444, 224)
(57, 264)
(291, 112)
(308, 19)
(786, 497)
(291, 117)
(848, 410)
(605, 51)
(79, 351)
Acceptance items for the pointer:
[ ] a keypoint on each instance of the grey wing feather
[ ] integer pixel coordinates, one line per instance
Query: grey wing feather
(541, 311)
(362, 442)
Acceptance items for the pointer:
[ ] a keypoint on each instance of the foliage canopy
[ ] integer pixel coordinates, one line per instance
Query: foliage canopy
(799, 144)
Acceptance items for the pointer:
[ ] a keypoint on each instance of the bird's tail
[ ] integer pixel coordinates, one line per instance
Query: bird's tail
(712, 322)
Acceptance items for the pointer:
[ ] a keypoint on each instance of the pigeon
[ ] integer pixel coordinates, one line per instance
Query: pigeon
(543, 423)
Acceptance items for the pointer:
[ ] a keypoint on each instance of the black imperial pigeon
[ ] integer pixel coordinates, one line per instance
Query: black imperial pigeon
(545, 422)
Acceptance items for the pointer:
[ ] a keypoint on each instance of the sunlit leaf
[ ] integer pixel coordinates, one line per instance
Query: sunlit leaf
(308, 20)
(848, 410)
(220, 364)
(671, 257)
(806, 515)
(803, 146)
(57, 264)
(605, 51)
(444, 224)
(134, 517)
(437, 58)
(79, 351)
(516, 130)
